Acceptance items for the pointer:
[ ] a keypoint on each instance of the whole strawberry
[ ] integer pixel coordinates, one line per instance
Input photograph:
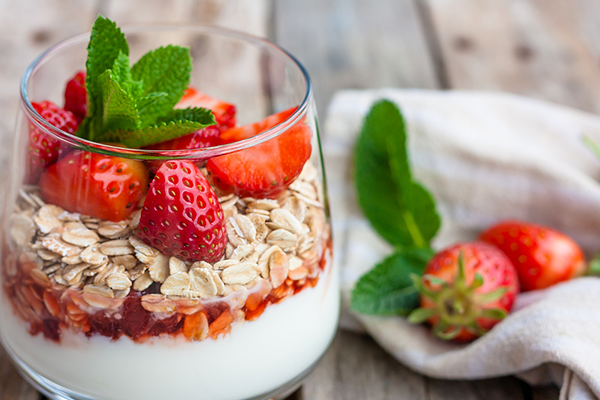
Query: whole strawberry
(542, 256)
(43, 149)
(465, 290)
(182, 216)
(76, 96)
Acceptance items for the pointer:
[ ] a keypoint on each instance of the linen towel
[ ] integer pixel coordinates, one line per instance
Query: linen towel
(485, 157)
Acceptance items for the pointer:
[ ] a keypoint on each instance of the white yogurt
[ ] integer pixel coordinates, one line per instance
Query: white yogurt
(256, 357)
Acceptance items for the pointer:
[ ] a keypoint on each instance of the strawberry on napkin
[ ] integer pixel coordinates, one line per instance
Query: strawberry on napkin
(484, 158)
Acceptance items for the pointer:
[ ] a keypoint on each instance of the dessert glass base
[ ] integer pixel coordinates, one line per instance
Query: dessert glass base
(57, 392)
(92, 308)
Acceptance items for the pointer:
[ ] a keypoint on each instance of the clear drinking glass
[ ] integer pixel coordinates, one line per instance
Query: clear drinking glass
(74, 323)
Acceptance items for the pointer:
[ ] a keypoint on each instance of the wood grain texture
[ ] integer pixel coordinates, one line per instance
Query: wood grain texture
(488, 389)
(24, 35)
(545, 393)
(529, 47)
(28, 27)
(355, 367)
(12, 386)
(243, 15)
(355, 44)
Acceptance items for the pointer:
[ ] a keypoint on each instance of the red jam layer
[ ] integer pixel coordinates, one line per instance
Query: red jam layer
(50, 308)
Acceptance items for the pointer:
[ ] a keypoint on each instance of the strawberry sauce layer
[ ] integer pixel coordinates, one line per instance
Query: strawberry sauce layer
(49, 308)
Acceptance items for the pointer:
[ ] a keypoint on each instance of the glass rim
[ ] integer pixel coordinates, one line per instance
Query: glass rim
(202, 153)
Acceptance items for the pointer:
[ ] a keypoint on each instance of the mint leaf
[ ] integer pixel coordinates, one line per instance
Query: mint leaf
(134, 105)
(387, 289)
(121, 73)
(201, 115)
(164, 70)
(399, 209)
(106, 42)
(116, 108)
(153, 134)
(594, 266)
(148, 107)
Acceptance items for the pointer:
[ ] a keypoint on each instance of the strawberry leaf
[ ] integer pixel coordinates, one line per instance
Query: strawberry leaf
(388, 288)
(401, 210)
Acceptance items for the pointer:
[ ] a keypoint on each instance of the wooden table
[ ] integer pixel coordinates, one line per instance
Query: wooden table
(547, 49)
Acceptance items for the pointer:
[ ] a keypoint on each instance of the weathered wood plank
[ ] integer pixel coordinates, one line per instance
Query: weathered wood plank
(355, 367)
(488, 389)
(529, 47)
(251, 17)
(24, 35)
(12, 386)
(28, 27)
(545, 393)
(355, 44)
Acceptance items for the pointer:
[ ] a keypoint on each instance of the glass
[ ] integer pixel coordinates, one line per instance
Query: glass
(89, 311)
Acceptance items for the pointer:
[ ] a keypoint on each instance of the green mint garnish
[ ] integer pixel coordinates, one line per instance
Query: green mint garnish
(134, 105)
(400, 210)
(115, 108)
(106, 42)
(169, 127)
(164, 70)
(388, 289)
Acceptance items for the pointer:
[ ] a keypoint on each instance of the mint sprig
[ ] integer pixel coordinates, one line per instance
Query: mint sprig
(164, 70)
(400, 209)
(134, 106)
(169, 127)
(106, 42)
(387, 289)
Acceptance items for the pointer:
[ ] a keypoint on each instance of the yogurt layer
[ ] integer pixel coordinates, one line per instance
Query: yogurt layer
(256, 357)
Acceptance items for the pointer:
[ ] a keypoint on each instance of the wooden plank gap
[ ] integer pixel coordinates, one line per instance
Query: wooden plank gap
(527, 390)
(433, 43)
(426, 388)
(297, 395)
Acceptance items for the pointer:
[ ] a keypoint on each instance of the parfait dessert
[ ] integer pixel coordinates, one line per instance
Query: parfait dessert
(154, 246)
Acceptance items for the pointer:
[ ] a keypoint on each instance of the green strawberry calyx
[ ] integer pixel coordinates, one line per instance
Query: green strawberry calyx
(458, 306)
(134, 105)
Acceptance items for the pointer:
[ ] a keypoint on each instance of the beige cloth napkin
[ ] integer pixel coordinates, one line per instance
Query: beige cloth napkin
(486, 157)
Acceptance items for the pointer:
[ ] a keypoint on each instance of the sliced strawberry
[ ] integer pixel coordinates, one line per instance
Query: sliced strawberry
(76, 96)
(267, 169)
(247, 131)
(206, 137)
(182, 216)
(44, 150)
(95, 184)
(224, 112)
